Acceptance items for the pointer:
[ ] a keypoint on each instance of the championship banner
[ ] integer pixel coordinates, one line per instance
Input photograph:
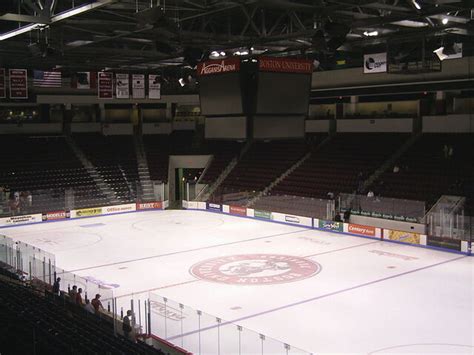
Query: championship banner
(3, 84)
(400, 236)
(237, 210)
(138, 86)
(375, 63)
(122, 86)
(82, 80)
(105, 85)
(18, 84)
(211, 67)
(285, 65)
(154, 87)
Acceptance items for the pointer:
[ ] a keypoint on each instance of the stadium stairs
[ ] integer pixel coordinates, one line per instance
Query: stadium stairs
(322, 141)
(91, 169)
(146, 185)
(212, 187)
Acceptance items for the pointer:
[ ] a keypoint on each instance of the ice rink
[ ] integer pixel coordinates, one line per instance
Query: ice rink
(318, 291)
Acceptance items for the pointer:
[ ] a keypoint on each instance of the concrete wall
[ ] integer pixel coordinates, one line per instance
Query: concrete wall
(376, 125)
(449, 124)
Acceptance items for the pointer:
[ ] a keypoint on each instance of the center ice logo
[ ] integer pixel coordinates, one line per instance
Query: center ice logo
(255, 269)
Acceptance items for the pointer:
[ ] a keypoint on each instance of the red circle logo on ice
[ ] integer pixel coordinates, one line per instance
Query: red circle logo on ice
(255, 269)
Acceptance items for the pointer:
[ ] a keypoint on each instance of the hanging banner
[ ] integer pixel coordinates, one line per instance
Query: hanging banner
(105, 85)
(3, 84)
(83, 80)
(122, 86)
(18, 84)
(154, 87)
(375, 63)
(138, 86)
(285, 65)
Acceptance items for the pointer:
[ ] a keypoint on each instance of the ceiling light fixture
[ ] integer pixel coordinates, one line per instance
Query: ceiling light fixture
(371, 33)
(445, 20)
(418, 7)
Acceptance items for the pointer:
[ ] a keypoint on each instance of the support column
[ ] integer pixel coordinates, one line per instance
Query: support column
(440, 103)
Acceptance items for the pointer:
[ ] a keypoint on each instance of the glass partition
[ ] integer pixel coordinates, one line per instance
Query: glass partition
(53, 203)
(446, 219)
(201, 333)
(383, 207)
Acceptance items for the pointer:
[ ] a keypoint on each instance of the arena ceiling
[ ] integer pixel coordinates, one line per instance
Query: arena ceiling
(145, 35)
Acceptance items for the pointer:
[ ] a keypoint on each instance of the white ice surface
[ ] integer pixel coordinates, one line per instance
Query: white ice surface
(361, 302)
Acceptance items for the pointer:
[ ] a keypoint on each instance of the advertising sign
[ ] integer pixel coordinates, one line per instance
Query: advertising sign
(241, 211)
(122, 86)
(87, 212)
(154, 87)
(406, 237)
(213, 207)
(447, 243)
(362, 230)
(262, 214)
(119, 208)
(331, 226)
(158, 205)
(138, 86)
(55, 215)
(375, 63)
(16, 220)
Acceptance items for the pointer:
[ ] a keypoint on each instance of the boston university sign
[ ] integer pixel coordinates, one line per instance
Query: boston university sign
(285, 65)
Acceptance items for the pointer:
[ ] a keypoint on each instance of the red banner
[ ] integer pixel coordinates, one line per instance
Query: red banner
(52, 216)
(18, 84)
(285, 65)
(362, 230)
(150, 205)
(3, 84)
(241, 211)
(105, 85)
(218, 66)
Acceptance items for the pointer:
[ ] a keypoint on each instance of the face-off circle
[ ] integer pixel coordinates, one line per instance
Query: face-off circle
(255, 269)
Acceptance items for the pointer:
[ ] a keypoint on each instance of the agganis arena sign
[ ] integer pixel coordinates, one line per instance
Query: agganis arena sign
(218, 66)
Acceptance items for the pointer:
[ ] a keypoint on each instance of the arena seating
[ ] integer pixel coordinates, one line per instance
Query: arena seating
(157, 154)
(263, 163)
(426, 174)
(336, 166)
(115, 160)
(46, 167)
(35, 324)
(223, 153)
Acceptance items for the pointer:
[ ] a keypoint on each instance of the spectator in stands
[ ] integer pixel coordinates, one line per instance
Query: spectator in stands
(445, 151)
(330, 195)
(347, 216)
(89, 307)
(450, 152)
(73, 293)
(338, 218)
(396, 169)
(79, 297)
(56, 286)
(29, 199)
(370, 194)
(127, 325)
(96, 303)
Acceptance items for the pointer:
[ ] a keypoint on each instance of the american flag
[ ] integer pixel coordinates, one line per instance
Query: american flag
(47, 79)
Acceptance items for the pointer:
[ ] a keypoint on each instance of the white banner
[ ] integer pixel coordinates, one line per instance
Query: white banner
(138, 86)
(154, 87)
(290, 219)
(122, 86)
(16, 220)
(119, 208)
(375, 63)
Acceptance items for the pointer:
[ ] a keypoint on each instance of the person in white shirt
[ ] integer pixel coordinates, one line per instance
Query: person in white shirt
(89, 307)
(370, 193)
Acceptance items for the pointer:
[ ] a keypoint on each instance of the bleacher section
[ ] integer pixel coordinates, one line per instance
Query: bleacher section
(157, 153)
(223, 153)
(115, 160)
(46, 167)
(426, 173)
(340, 165)
(35, 324)
(263, 163)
